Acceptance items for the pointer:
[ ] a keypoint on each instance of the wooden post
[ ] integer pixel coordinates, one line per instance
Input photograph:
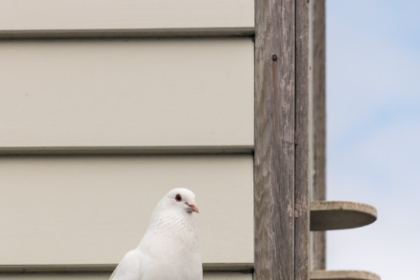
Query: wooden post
(302, 172)
(281, 163)
(317, 10)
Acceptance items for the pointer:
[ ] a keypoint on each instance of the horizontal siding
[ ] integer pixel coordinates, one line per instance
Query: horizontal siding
(133, 95)
(105, 276)
(43, 17)
(91, 210)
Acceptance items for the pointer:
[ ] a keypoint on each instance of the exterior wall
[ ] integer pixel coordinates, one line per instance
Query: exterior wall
(43, 17)
(92, 210)
(105, 276)
(138, 94)
(96, 130)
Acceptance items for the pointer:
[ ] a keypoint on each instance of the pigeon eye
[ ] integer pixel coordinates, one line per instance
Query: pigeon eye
(178, 197)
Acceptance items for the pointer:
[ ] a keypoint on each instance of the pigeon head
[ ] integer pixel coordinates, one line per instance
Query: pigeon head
(182, 199)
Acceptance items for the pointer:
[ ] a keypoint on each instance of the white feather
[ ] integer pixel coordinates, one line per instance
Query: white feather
(169, 250)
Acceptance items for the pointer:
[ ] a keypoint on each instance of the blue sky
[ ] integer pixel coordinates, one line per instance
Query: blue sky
(373, 122)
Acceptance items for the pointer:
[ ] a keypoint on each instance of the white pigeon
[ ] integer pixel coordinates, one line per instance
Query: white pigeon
(169, 249)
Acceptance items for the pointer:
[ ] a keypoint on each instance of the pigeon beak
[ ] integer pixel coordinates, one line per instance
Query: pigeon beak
(193, 207)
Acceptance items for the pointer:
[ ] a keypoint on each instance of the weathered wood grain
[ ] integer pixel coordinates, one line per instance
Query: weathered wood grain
(274, 158)
(318, 260)
(319, 250)
(302, 180)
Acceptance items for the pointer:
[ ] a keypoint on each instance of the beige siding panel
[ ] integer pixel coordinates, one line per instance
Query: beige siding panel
(143, 17)
(55, 276)
(227, 276)
(105, 276)
(136, 94)
(92, 210)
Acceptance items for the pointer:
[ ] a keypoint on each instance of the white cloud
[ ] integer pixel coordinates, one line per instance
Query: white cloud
(374, 132)
(368, 71)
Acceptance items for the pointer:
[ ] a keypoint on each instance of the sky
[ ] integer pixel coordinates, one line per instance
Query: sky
(373, 132)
